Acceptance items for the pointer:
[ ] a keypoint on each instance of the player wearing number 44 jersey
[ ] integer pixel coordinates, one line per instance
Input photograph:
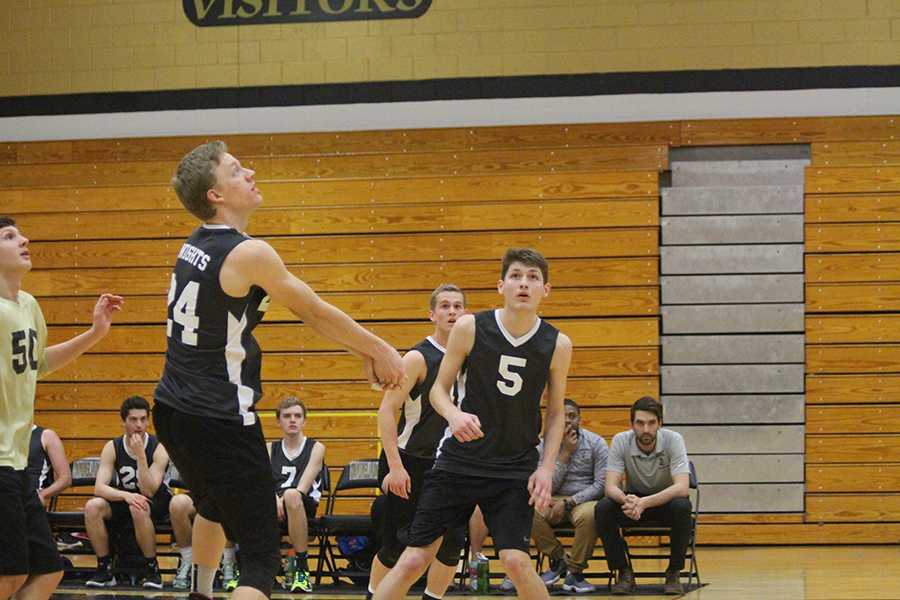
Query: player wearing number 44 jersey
(30, 566)
(204, 414)
(504, 360)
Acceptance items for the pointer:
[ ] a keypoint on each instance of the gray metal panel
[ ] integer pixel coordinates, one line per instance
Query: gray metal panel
(711, 318)
(751, 497)
(731, 289)
(747, 229)
(741, 439)
(732, 379)
(757, 408)
(743, 200)
(748, 468)
(738, 258)
(738, 172)
(730, 349)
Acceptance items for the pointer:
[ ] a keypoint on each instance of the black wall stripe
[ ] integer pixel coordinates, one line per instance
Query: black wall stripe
(467, 88)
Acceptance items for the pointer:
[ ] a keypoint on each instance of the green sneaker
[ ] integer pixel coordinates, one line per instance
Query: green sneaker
(230, 577)
(301, 582)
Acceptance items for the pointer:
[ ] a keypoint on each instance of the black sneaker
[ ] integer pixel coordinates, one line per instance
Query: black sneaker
(102, 577)
(152, 579)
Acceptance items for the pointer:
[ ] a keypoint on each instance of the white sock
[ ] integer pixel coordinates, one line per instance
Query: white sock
(228, 556)
(203, 580)
(431, 594)
(187, 554)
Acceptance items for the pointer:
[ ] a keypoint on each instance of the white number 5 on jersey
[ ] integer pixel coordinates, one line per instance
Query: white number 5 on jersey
(184, 312)
(511, 384)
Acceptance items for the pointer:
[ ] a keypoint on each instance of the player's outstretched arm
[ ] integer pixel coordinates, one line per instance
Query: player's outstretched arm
(59, 355)
(464, 426)
(397, 480)
(255, 262)
(541, 481)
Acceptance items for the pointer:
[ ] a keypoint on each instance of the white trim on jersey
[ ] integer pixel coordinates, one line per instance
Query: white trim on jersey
(216, 226)
(516, 341)
(412, 414)
(460, 396)
(299, 449)
(436, 344)
(234, 357)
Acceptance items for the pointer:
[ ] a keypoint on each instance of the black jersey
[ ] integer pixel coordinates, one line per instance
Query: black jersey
(502, 384)
(126, 467)
(287, 471)
(39, 469)
(212, 360)
(421, 427)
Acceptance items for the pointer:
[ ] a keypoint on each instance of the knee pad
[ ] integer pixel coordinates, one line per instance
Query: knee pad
(388, 555)
(454, 541)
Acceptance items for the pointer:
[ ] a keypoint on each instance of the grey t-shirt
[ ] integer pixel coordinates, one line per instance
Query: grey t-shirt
(647, 474)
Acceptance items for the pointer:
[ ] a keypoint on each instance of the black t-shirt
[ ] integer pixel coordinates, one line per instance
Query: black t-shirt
(212, 359)
(126, 467)
(39, 468)
(501, 383)
(288, 471)
(421, 427)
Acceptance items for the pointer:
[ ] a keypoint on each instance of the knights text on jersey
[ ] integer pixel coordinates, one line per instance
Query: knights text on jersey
(212, 359)
(421, 427)
(126, 467)
(287, 471)
(502, 383)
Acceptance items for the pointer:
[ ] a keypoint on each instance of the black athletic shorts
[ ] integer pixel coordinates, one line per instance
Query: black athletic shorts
(159, 509)
(310, 506)
(226, 467)
(448, 499)
(399, 512)
(27, 547)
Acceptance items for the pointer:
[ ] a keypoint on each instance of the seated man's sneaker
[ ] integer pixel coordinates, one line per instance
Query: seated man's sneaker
(182, 579)
(557, 569)
(575, 582)
(507, 585)
(673, 584)
(102, 577)
(152, 578)
(625, 584)
(300, 582)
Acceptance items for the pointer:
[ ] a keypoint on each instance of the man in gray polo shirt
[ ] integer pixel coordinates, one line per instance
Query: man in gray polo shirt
(578, 482)
(655, 465)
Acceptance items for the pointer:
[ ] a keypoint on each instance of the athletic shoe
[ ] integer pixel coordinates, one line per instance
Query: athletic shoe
(673, 584)
(557, 569)
(301, 582)
(102, 577)
(507, 585)
(230, 577)
(625, 585)
(575, 582)
(182, 579)
(153, 579)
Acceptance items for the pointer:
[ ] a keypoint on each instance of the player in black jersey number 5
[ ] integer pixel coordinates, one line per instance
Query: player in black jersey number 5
(204, 415)
(504, 360)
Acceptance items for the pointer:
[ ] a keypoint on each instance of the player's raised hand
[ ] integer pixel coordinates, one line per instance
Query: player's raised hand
(107, 305)
(539, 485)
(465, 426)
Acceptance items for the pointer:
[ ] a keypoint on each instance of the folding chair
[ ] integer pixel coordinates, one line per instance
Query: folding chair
(656, 529)
(357, 475)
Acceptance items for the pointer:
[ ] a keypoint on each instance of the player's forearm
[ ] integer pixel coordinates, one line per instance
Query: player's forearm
(553, 433)
(59, 355)
(441, 401)
(336, 325)
(387, 429)
(56, 487)
(109, 493)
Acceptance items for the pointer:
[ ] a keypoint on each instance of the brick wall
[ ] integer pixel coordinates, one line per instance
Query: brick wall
(70, 46)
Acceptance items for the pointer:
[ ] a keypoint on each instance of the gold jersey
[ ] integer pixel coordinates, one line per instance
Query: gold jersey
(23, 340)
